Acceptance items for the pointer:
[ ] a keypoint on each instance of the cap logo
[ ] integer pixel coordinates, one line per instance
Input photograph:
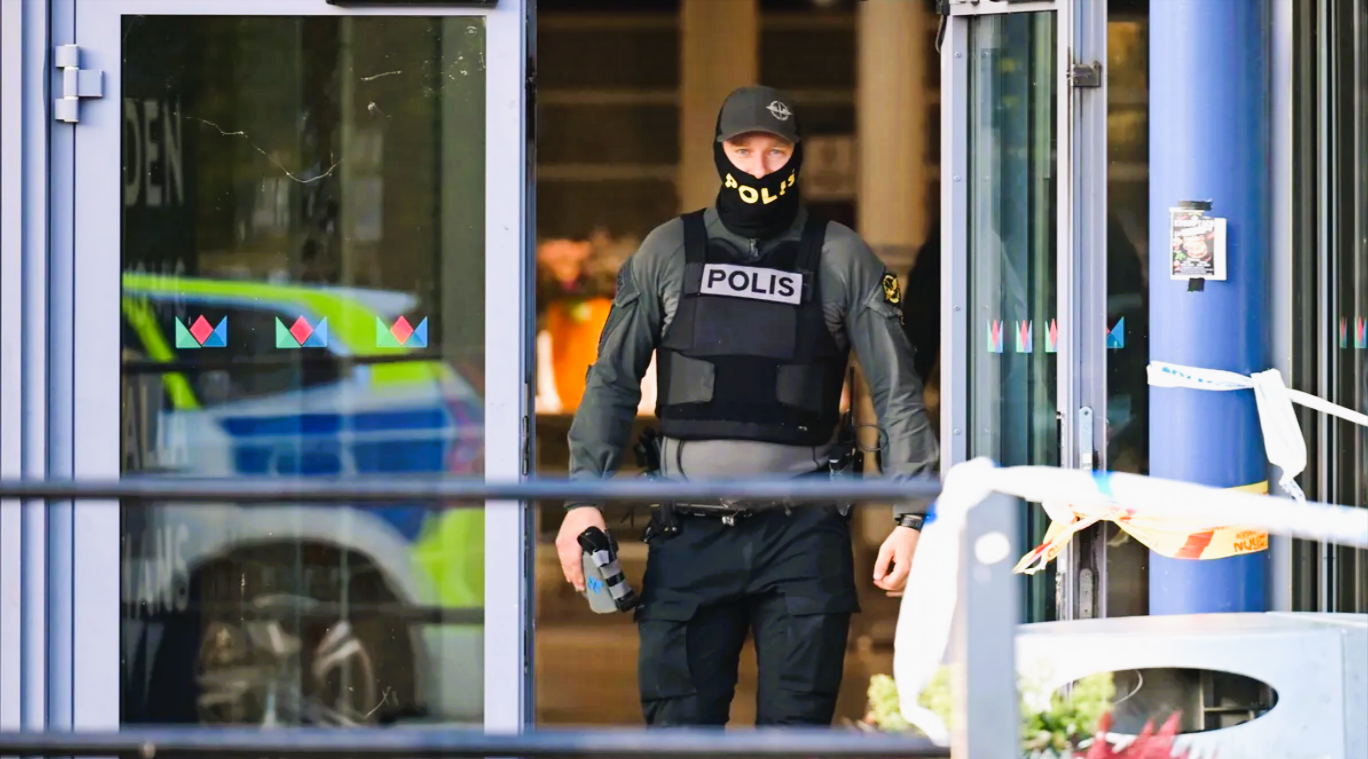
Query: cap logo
(779, 111)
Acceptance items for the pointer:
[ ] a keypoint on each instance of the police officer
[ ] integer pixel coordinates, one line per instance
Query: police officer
(751, 306)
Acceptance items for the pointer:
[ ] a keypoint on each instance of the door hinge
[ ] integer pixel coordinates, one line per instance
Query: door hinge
(1087, 587)
(77, 83)
(1086, 459)
(1085, 75)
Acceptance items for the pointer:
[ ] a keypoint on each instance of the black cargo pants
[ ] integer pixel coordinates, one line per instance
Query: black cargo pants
(786, 578)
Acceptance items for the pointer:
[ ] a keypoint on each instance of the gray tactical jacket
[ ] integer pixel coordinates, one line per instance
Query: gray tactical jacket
(859, 313)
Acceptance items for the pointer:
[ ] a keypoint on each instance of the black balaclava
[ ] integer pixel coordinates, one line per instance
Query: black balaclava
(741, 200)
(757, 208)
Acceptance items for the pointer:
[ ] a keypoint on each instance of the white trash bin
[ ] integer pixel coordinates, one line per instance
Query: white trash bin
(1317, 664)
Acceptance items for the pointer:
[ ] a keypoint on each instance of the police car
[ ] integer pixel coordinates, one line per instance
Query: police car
(292, 613)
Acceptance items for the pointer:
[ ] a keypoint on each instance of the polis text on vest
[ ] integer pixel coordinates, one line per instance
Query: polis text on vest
(754, 282)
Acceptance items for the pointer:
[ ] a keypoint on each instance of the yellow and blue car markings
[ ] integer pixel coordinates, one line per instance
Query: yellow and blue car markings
(414, 416)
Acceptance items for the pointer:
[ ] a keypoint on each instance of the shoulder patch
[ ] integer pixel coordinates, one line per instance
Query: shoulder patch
(627, 286)
(892, 293)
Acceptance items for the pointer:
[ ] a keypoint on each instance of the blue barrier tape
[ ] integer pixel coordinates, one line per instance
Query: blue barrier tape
(1103, 482)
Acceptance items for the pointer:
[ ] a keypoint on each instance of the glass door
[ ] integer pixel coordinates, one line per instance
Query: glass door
(1021, 344)
(1013, 258)
(299, 225)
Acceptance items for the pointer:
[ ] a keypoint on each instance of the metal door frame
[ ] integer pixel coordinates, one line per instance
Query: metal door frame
(24, 233)
(1081, 39)
(70, 554)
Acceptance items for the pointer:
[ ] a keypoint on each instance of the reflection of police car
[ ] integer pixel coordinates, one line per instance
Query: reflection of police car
(295, 613)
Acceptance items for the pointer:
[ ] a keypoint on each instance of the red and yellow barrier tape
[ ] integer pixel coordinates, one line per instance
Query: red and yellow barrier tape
(1176, 539)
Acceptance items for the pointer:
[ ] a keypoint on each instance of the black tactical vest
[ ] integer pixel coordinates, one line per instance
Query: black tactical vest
(748, 355)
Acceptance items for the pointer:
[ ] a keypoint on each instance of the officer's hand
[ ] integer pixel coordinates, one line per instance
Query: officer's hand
(895, 560)
(577, 520)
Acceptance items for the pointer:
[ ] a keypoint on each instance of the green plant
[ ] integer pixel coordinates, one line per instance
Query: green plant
(1067, 720)
(936, 696)
(884, 710)
(1051, 721)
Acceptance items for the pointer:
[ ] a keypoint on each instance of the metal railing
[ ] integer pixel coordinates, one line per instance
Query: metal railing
(980, 503)
(378, 743)
(458, 492)
(987, 623)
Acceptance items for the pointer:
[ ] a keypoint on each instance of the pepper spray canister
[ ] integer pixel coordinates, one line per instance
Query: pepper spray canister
(605, 585)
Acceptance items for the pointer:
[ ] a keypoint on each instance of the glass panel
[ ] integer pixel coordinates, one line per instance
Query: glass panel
(1127, 326)
(1013, 260)
(1331, 281)
(1349, 302)
(1307, 329)
(303, 296)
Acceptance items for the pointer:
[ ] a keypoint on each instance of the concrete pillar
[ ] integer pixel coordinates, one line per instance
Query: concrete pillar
(892, 128)
(719, 43)
(891, 143)
(1197, 435)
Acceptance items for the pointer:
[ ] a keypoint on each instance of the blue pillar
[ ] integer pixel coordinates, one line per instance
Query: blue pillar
(1209, 141)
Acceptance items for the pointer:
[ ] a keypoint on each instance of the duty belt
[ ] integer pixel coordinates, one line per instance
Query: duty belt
(729, 510)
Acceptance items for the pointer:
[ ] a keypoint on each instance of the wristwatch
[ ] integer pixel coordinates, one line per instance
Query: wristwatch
(914, 521)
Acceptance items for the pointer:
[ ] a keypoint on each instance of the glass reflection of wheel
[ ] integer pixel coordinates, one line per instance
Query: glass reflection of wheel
(284, 665)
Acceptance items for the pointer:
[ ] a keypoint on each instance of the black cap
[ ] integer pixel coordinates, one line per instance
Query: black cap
(758, 109)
